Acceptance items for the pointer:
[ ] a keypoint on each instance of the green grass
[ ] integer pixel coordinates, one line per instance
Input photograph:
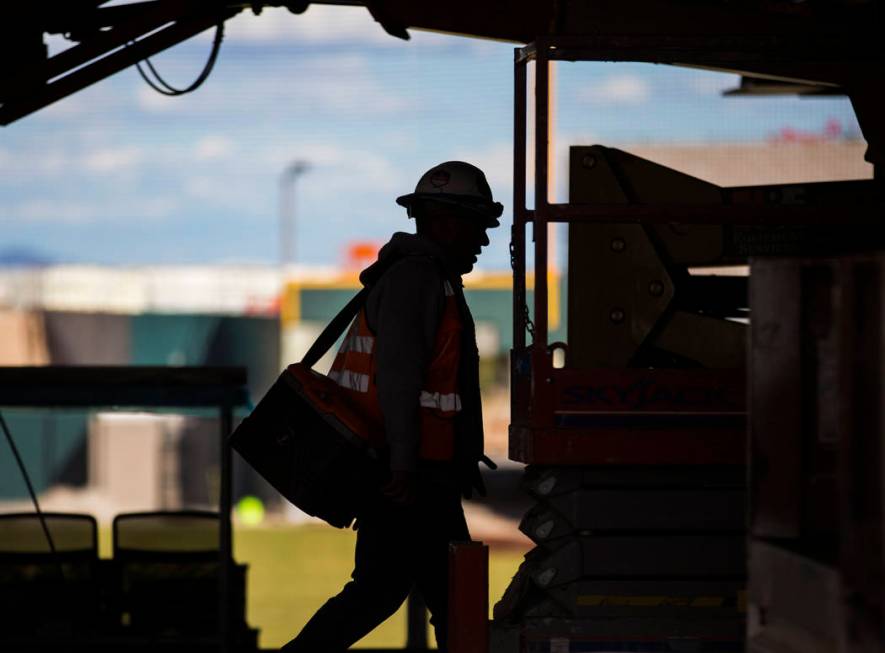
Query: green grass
(293, 570)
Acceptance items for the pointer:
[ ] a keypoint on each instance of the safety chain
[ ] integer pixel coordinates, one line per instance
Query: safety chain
(529, 325)
(527, 320)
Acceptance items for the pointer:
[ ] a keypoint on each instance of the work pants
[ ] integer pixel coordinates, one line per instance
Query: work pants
(397, 548)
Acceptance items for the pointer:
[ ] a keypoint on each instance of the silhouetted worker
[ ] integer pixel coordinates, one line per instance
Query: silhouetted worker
(411, 358)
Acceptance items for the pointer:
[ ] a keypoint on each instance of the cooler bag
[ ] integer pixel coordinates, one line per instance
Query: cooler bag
(307, 441)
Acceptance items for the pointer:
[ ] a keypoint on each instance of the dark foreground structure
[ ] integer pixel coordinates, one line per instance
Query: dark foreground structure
(705, 451)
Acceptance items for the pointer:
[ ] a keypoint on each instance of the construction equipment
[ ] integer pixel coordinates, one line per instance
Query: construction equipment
(816, 434)
(637, 444)
(634, 429)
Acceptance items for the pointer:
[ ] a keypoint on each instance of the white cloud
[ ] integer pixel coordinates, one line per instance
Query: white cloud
(112, 159)
(353, 169)
(73, 106)
(201, 187)
(338, 84)
(496, 162)
(84, 212)
(372, 171)
(335, 171)
(319, 24)
(213, 147)
(331, 25)
(617, 89)
(100, 102)
(150, 100)
(335, 168)
(359, 94)
(706, 83)
(43, 162)
(36, 162)
(227, 189)
(87, 162)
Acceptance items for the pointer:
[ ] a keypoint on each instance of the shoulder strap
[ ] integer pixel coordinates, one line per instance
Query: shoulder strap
(334, 329)
(341, 321)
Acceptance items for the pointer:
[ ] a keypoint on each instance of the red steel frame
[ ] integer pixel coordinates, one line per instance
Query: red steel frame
(606, 416)
(627, 416)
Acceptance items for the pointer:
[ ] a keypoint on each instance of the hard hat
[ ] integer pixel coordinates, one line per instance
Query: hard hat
(457, 183)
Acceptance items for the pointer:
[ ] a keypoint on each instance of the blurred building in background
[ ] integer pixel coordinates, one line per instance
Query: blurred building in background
(260, 317)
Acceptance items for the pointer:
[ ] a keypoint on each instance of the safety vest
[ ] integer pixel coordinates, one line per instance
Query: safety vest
(354, 371)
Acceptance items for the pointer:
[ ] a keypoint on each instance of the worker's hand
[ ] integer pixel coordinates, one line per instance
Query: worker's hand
(401, 488)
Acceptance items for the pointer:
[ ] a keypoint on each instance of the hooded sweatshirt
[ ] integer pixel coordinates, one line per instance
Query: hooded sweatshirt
(404, 309)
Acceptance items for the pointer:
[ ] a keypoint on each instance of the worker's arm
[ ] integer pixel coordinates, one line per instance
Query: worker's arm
(404, 310)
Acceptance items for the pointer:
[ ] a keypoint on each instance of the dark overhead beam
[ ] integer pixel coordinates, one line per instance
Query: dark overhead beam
(121, 58)
(756, 86)
(152, 16)
(829, 45)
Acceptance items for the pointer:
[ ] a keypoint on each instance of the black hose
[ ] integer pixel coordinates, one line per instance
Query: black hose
(162, 86)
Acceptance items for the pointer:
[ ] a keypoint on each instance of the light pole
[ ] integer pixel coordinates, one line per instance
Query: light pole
(287, 209)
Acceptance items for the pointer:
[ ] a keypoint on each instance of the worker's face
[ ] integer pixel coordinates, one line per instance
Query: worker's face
(462, 236)
(470, 239)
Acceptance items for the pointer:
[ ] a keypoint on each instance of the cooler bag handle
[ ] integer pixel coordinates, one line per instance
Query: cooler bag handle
(334, 329)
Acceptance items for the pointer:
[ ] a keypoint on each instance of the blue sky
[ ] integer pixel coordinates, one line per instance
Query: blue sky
(118, 174)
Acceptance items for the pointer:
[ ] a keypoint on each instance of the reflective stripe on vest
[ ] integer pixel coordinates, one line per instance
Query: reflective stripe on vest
(439, 401)
(450, 403)
(360, 344)
(350, 380)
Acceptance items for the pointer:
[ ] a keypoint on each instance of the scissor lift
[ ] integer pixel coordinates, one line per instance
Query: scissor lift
(635, 434)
